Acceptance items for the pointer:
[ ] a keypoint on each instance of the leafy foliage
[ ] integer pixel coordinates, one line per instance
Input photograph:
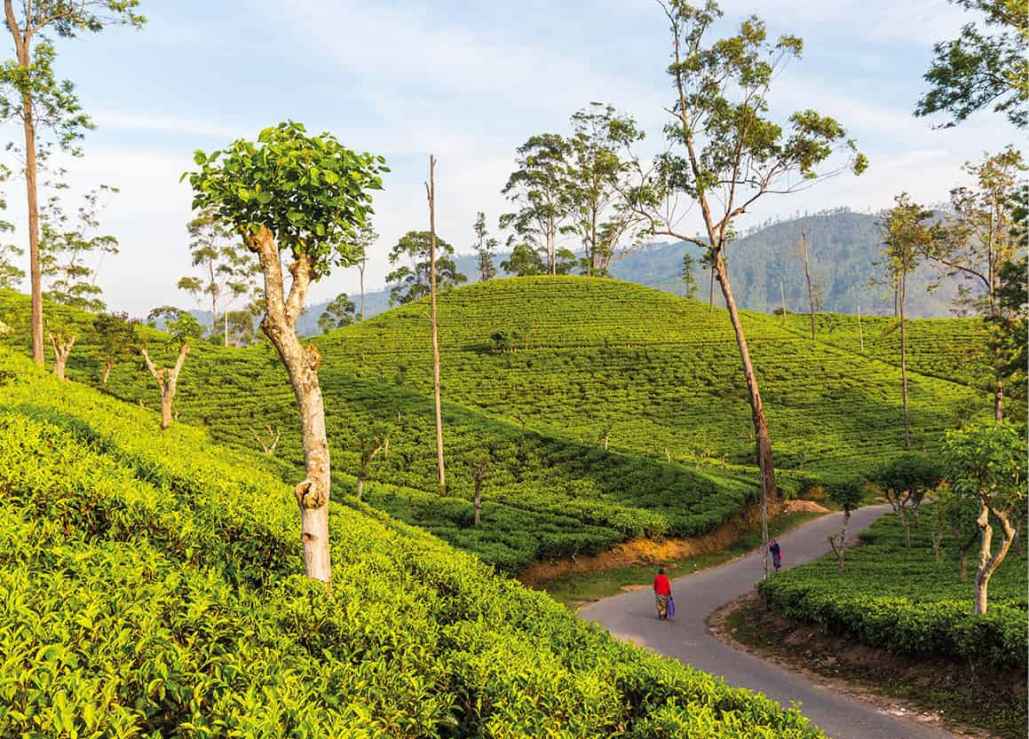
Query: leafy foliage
(338, 313)
(68, 244)
(311, 192)
(984, 66)
(408, 282)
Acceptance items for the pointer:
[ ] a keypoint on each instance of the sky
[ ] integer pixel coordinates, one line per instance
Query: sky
(468, 82)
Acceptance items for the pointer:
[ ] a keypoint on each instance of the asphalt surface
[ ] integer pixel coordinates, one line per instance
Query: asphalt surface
(631, 616)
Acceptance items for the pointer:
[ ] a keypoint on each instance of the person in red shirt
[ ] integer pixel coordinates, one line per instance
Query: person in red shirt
(662, 591)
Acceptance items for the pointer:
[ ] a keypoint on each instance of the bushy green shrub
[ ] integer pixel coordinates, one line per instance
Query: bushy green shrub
(901, 599)
(150, 585)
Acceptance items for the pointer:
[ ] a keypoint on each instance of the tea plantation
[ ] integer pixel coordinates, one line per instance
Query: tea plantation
(608, 410)
(151, 585)
(903, 600)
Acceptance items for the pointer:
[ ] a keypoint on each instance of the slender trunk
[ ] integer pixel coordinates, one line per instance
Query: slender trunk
(431, 191)
(782, 295)
(998, 401)
(360, 486)
(843, 537)
(167, 398)
(989, 561)
(105, 372)
(810, 287)
(32, 192)
(711, 289)
(762, 438)
(360, 273)
(225, 319)
(861, 332)
(901, 299)
(478, 505)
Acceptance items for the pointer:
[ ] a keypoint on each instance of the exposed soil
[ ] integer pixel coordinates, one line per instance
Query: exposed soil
(804, 506)
(969, 700)
(652, 551)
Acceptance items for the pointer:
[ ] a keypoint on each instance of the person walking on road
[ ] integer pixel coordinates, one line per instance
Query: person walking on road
(662, 593)
(776, 552)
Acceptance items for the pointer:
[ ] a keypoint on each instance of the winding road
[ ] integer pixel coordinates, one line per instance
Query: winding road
(630, 616)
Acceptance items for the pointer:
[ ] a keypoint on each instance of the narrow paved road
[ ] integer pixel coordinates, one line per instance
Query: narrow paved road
(631, 616)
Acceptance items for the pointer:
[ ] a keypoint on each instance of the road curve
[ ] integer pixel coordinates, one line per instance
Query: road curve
(631, 616)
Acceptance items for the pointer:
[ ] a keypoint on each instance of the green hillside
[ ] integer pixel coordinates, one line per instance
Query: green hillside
(581, 360)
(152, 585)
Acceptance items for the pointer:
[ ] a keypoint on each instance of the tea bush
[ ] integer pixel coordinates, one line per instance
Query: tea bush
(903, 600)
(150, 585)
(615, 411)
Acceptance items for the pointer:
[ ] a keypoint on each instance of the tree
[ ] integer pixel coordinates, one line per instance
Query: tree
(908, 232)
(904, 482)
(364, 240)
(596, 180)
(410, 281)
(485, 248)
(116, 336)
(227, 270)
(340, 312)
(538, 189)
(304, 197)
(66, 246)
(814, 292)
(982, 68)
(268, 440)
(953, 516)
(184, 328)
(31, 94)
(62, 339)
(987, 464)
(848, 495)
(523, 261)
(689, 281)
(726, 153)
(370, 443)
(430, 196)
(976, 243)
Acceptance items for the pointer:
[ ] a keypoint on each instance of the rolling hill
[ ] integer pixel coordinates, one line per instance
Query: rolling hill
(152, 586)
(608, 411)
(845, 249)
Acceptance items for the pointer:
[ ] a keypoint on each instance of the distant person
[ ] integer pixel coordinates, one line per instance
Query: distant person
(662, 592)
(776, 551)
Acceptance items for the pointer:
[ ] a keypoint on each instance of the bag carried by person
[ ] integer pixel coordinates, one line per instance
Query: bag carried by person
(671, 607)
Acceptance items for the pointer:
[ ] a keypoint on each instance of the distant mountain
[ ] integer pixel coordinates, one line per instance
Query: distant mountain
(763, 265)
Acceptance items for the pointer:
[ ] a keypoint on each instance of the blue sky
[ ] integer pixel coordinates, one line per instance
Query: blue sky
(468, 82)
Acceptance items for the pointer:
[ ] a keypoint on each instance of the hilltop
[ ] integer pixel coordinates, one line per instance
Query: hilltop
(608, 411)
(153, 585)
(845, 248)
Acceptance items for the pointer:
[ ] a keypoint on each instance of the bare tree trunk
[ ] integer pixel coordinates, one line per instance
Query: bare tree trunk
(478, 505)
(360, 273)
(167, 382)
(988, 560)
(761, 435)
(711, 289)
(998, 401)
(839, 541)
(62, 348)
(810, 287)
(225, 319)
(861, 332)
(302, 363)
(360, 486)
(105, 371)
(901, 299)
(782, 295)
(22, 48)
(430, 188)
(551, 251)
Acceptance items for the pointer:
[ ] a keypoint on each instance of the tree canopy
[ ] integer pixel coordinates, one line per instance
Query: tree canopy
(410, 281)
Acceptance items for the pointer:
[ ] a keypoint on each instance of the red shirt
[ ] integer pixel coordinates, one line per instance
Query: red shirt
(662, 586)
